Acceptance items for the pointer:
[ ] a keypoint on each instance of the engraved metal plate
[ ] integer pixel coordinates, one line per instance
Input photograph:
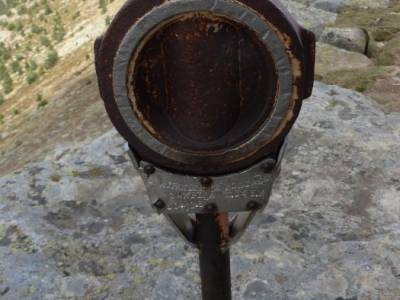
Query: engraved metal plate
(230, 193)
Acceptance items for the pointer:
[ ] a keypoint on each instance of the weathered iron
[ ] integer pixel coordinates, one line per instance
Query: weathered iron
(204, 87)
(205, 92)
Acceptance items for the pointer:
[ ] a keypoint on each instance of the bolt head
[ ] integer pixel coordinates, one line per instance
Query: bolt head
(211, 207)
(253, 205)
(206, 181)
(269, 165)
(159, 204)
(149, 170)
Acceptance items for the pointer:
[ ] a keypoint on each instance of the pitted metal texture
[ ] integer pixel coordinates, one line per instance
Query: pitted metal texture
(233, 10)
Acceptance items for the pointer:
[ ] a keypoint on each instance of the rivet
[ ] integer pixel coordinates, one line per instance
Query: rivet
(269, 165)
(149, 170)
(253, 205)
(211, 207)
(159, 204)
(206, 181)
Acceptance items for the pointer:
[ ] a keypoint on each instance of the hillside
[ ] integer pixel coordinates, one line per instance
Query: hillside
(53, 97)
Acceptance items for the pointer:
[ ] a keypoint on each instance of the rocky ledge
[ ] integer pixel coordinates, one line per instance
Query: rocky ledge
(77, 225)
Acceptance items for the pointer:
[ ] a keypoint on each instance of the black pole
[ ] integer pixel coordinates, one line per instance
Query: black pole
(211, 235)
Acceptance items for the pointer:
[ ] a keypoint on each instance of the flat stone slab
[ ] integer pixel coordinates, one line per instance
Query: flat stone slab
(351, 39)
(78, 226)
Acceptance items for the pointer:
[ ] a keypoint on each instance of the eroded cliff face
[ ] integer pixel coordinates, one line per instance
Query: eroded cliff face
(77, 225)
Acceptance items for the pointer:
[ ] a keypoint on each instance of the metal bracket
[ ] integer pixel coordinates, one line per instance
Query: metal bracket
(177, 196)
(172, 193)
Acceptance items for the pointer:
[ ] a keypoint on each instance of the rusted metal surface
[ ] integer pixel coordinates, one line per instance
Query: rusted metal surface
(203, 86)
(202, 83)
(222, 220)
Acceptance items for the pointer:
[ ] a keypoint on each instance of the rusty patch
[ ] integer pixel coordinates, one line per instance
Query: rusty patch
(222, 220)
(202, 82)
(210, 133)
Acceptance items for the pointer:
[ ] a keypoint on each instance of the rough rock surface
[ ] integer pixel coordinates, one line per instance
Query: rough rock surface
(367, 3)
(330, 58)
(329, 5)
(386, 90)
(337, 5)
(319, 20)
(351, 39)
(77, 225)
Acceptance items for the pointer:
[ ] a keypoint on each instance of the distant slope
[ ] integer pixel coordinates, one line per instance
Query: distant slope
(46, 64)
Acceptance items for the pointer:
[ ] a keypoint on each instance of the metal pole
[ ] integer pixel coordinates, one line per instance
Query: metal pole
(212, 234)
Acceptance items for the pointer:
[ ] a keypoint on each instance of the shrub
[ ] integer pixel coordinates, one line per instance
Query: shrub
(16, 68)
(36, 29)
(5, 52)
(11, 26)
(58, 29)
(31, 77)
(31, 65)
(20, 27)
(42, 103)
(22, 10)
(108, 20)
(51, 60)
(3, 71)
(8, 84)
(47, 9)
(103, 6)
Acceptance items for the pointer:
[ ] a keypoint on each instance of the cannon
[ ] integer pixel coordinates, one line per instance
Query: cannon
(205, 93)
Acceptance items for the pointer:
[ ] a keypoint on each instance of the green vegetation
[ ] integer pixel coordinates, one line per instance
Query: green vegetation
(383, 26)
(8, 84)
(5, 78)
(357, 79)
(31, 77)
(390, 53)
(58, 29)
(41, 101)
(7, 5)
(1, 118)
(17, 60)
(32, 33)
(16, 67)
(103, 6)
(31, 65)
(5, 52)
(35, 29)
(76, 15)
(381, 23)
(108, 20)
(51, 60)
(44, 40)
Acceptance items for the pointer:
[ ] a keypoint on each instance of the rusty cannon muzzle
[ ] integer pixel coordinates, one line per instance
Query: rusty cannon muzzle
(205, 93)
